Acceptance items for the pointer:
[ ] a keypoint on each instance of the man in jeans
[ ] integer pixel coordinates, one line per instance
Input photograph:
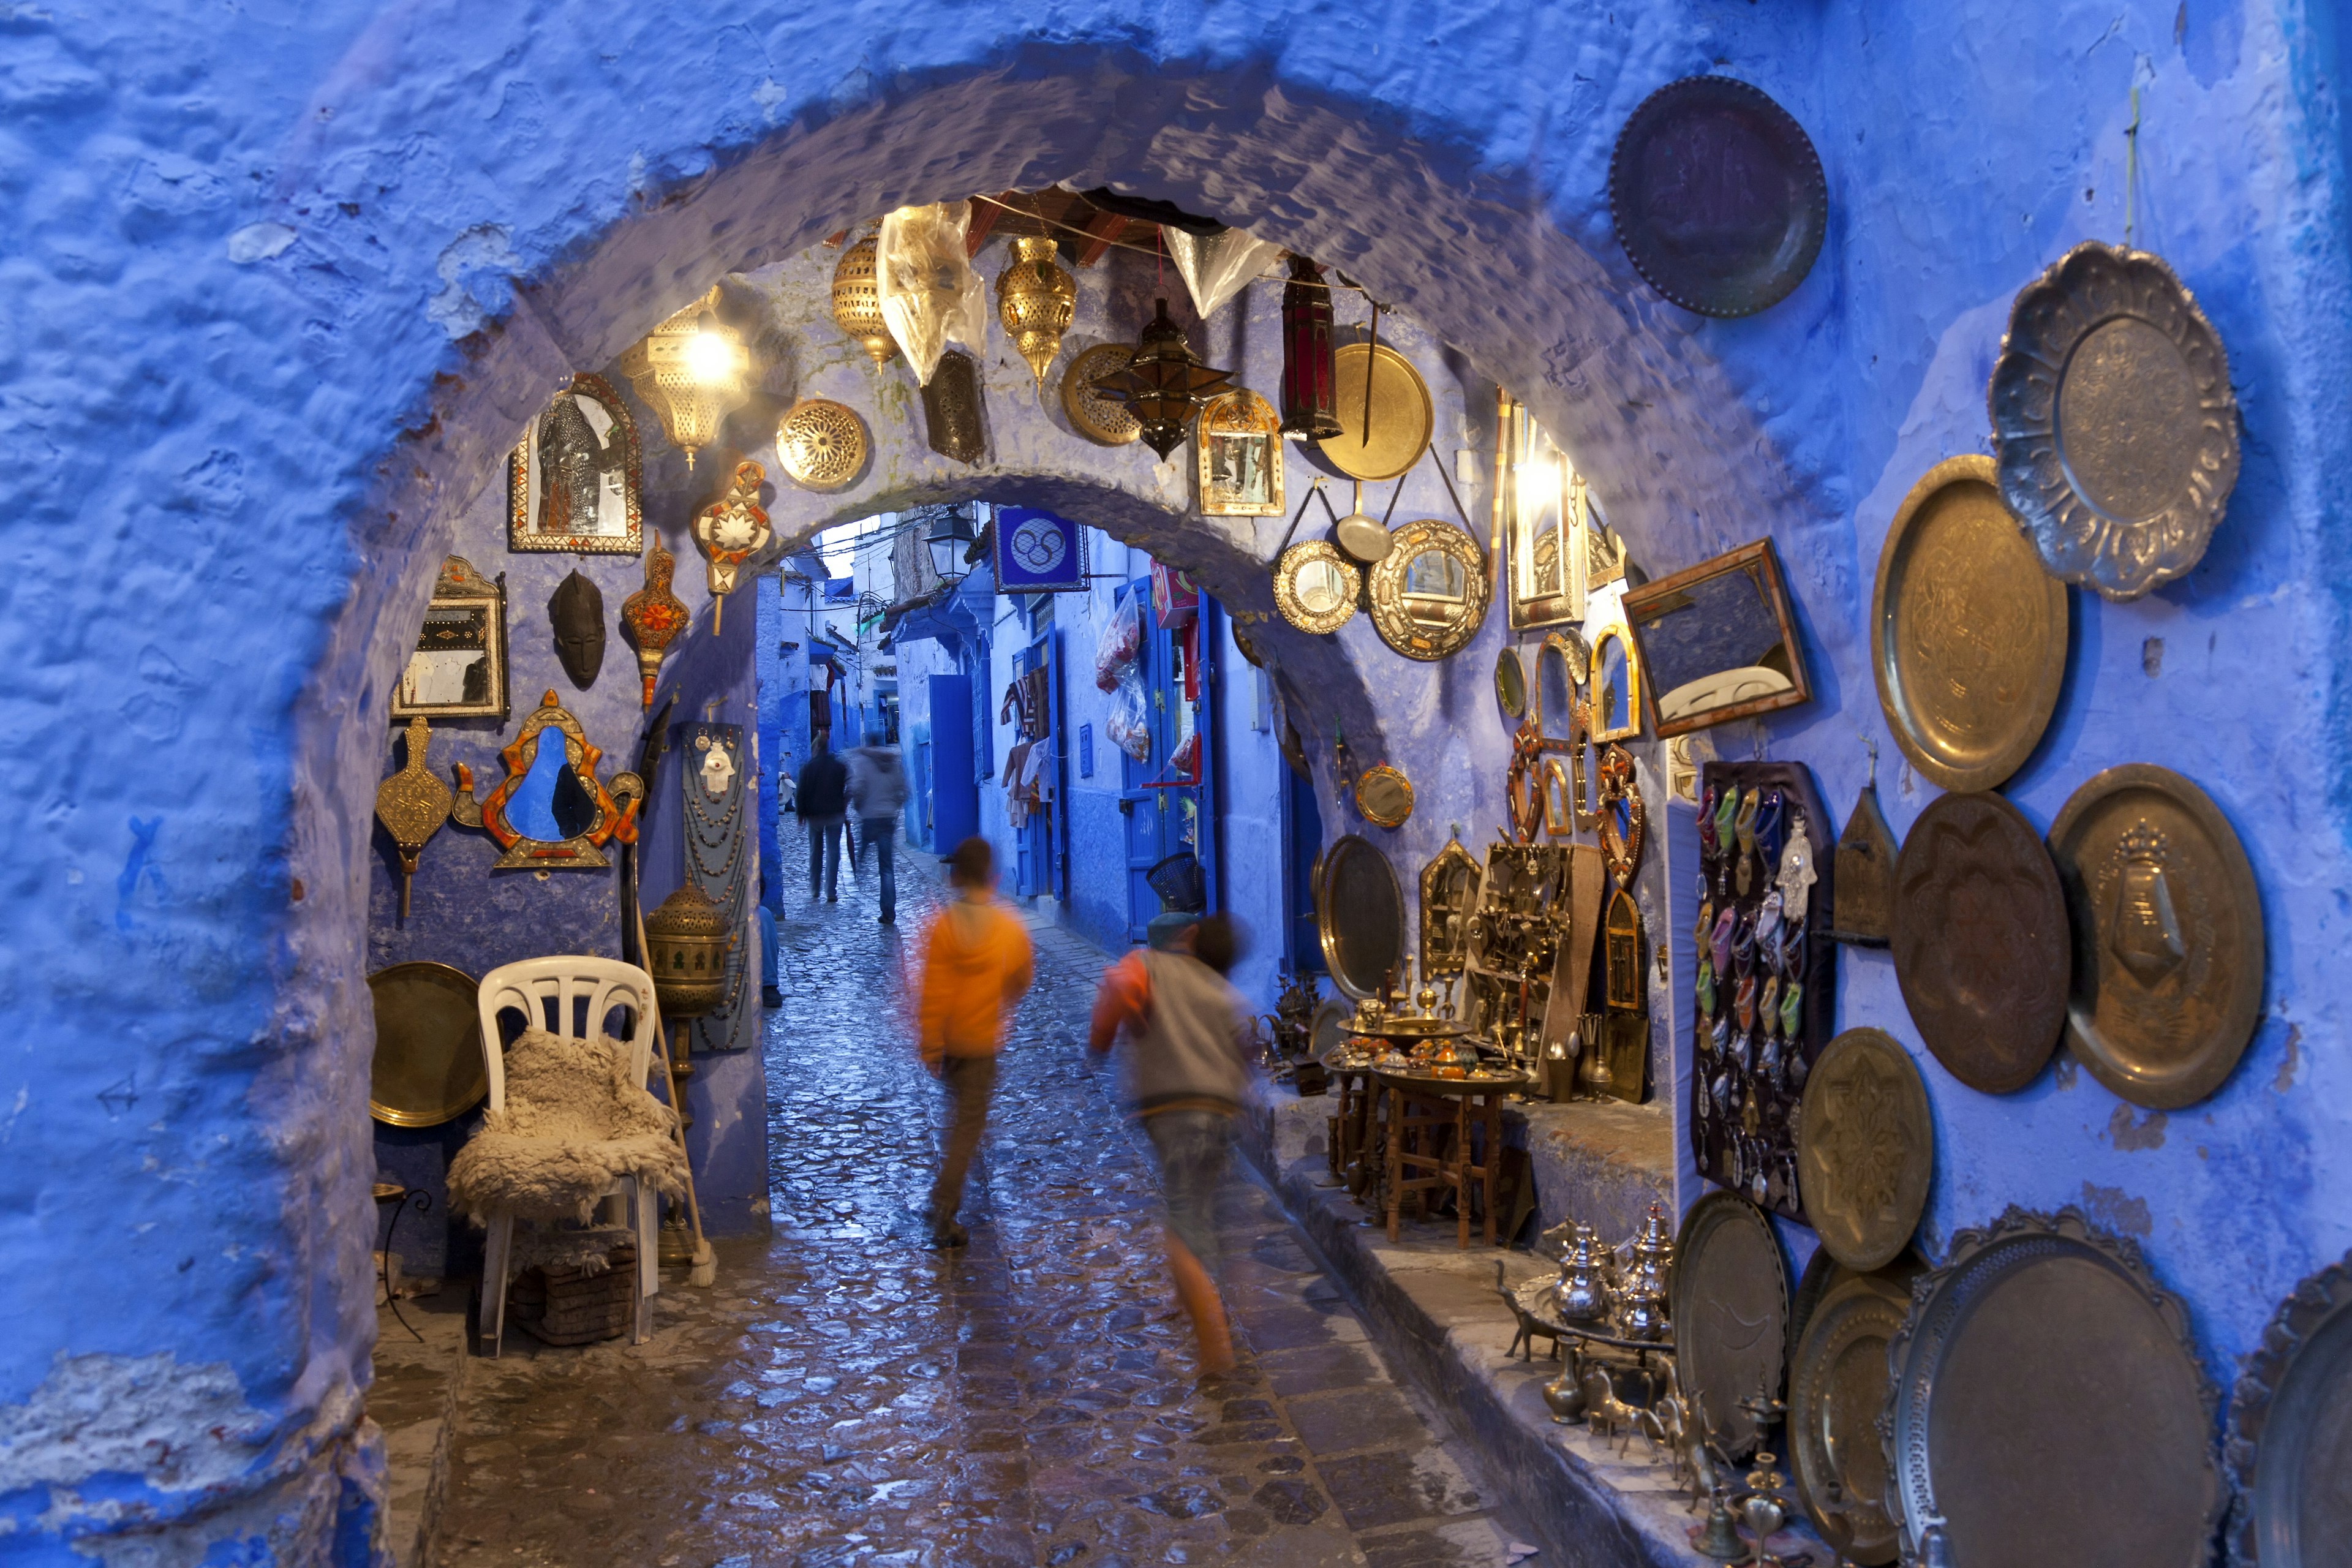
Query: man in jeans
(877, 788)
(976, 964)
(822, 797)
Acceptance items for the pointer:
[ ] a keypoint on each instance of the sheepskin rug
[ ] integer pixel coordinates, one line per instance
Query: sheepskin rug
(574, 1124)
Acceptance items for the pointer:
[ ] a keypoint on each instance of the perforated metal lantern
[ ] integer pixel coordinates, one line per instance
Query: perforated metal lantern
(1165, 384)
(686, 949)
(856, 304)
(691, 370)
(1310, 378)
(1035, 300)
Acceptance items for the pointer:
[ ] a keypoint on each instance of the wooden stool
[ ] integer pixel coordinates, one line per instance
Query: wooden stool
(1420, 1120)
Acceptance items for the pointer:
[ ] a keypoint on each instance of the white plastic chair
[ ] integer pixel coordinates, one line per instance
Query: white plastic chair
(604, 983)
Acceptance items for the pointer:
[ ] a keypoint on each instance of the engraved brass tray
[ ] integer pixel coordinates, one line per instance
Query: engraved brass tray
(1403, 416)
(2113, 421)
(1837, 1386)
(1730, 1312)
(1969, 633)
(1979, 940)
(1496, 1080)
(821, 443)
(2290, 1441)
(1358, 916)
(1102, 419)
(2168, 943)
(1868, 1149)
(2048, 1408)
(429, 1045)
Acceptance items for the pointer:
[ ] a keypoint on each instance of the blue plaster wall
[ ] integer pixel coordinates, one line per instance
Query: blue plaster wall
(286, 293)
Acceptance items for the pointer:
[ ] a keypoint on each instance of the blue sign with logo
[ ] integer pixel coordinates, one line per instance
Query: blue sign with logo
(1037, 552)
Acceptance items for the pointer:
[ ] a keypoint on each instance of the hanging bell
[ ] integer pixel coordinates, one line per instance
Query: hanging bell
(1165, 383)
(575, 613)
(1036, 300)
(1310, 376)
(857, 306)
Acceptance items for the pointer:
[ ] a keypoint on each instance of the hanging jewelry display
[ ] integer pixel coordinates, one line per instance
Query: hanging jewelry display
(821, 443)
(413, 804)
(713, 780)
(1163, 384)
(730, 531)
(1100, 418)
(856, 308)
(952, 422)
(1429, 593)
(573, 482)
(551, 812)
(1240, 457)
(691, 370)
(654, 616)
(1767, 975)
(2288, 1450)
(1310, 386)
(2113, 425)
(1036, 300)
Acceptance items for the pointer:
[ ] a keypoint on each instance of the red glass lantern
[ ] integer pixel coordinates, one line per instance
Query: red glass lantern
(1310, 379)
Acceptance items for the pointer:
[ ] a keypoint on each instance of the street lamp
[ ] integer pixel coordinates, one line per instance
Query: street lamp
(949, 537)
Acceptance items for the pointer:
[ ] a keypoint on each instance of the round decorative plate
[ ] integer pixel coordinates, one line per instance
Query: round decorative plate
(1358, 916)
(1403, 416)
(2168, 944)
(1429, 593)
(429, 1045)
(1329, 1028)
(2290, 1442)
(821, 443)
(1979, 940)
(2113, 421)
(1730, 1312)
(1868, 1150)
(2048, 1408)
(1837, 1386)
(1718, 196)
(1315, 587)
(1098, 418)
(1969, 633)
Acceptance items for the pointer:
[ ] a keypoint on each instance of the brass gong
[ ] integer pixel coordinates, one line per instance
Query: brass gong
(428, 1066)
(1868, 1149)
(1968, 632)
(821, 443)
(1401, 414)
(1104, 420)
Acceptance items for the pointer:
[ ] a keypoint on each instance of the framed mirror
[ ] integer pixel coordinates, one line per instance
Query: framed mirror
(572, 483)
(1429, 593)
(458, 670)
(1511, 683)
(1239, 439)
(1563, 664)
(1549, 523)
(1616, 682)
(551, 812)
(1315, 587)
(1385, 796)
(1449, 893)
(1359, 917)
(1718, 641)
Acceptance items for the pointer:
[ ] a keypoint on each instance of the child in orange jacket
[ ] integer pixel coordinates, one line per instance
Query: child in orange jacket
(977, 963)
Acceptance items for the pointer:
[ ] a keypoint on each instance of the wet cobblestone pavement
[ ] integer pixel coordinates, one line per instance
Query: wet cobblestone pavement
(845, 1395)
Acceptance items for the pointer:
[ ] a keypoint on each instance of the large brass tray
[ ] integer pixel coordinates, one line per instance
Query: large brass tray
(2290, 1442)
(428, 1065)
(2048, 1408)
(1979, 940)
(1837, 1386)
(1730, 1312)
(1358, 916)
(1968, 632)
(1403, 416)
(2168, 942)
(1868, 1149)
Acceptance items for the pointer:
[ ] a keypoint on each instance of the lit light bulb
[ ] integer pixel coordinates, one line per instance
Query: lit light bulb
(709, 356)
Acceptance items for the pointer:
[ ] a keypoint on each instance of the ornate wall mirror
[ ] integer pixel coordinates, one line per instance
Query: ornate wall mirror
(1239, 437)
(1548, 555)
(1563, 664)
(1429, 593)
(551, 812)
(459, 667)
(1315, 587)
(1384, 795)
(1563, 785)
(1449, 892)
(1718, 642)
(572, 484)
(1511, 683)
(1616, 686)
(1360, 917)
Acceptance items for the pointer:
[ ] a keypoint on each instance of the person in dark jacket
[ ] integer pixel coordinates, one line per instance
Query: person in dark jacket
(877, 789)
(821, 794)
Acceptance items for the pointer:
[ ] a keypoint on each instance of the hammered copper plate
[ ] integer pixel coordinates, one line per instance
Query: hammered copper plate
(1979, 940)
(1868, 1149)
(1360, 916)
(2048, 1408)
(429, 1045)
(1718, 196)
(2168, 942)
(1730, 1312)
(1969, 633)
(1837, 1387)
(2290, 1446)
(1402, 414)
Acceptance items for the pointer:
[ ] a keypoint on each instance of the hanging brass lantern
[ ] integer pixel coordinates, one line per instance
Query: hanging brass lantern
(856, 306)
(691, 370)
(1164, 385)
(686, 951)
(1036, 300)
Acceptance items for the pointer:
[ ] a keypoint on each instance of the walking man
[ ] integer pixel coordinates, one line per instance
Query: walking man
(976, 964)
(877, 788)
(1183, 1073)
(822, 796)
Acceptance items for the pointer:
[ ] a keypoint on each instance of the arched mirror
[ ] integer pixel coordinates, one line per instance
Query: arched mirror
(1563, 664)
(1616, 686)
(1449, 892)
(1360, 916)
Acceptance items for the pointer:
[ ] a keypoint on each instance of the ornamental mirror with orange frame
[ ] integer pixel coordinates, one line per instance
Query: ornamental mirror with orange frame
(551, 812)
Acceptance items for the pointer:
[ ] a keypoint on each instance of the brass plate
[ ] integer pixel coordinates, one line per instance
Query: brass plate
(1867, 1151)
(2290, 1442)
(821, 443)
(2168, 944)
(429, 1045)
(1730, 1312)
(1979, 940)
(2113, 421)
(1429, 595)
(1315, 587)
(1328, 1029)
(1837, 1386)
(1403, 416)
(1104, 420)
(1969, 633)
(1358, 916)
(2048, 1406)
(1385, 796)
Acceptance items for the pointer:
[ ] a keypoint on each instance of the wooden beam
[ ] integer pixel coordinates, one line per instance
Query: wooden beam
(1101, 229)
(983, 218)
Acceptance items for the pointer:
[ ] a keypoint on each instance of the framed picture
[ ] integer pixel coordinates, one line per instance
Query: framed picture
(1551, 519)
(1717, 641)
(459, 669)
(572, 484)
(1038, 552)
(1239, 439)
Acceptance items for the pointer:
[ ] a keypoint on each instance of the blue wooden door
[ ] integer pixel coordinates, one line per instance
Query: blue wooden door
(955, 791)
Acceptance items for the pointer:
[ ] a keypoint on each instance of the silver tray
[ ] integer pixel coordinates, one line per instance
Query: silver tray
(1837, 1386)
(2290, 1443)
(2047, 1406)
(1730, 1310)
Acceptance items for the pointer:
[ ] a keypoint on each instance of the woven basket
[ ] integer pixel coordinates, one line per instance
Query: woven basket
(574, 1307)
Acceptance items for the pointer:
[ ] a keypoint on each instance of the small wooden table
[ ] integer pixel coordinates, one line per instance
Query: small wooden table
(1421, 1110)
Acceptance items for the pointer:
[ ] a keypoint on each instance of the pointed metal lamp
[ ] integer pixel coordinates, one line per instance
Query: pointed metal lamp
(1164, 385)
(691, 370)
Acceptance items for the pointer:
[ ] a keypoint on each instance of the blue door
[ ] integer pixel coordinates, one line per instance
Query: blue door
(1034, 843)
(1162, 816)
(955, 791)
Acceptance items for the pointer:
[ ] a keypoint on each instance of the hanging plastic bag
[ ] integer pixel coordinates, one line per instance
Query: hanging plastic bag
(928, 289)
(1122, 641)
(1216, 266)
(1130, 724)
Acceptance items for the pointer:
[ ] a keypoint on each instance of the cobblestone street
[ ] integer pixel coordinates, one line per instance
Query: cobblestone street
(844, 1395)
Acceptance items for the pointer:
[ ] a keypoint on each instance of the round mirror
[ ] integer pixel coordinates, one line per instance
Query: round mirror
(1430, 595)
(1315, 587)
(1360, 916)
(1385, 796)
(1511, 683)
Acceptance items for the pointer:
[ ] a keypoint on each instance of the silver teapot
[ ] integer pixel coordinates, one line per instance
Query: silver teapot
(1641, 1282)
(1585, 1287)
